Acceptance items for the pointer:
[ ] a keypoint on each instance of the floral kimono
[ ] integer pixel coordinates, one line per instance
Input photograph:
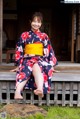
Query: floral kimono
(26, 62)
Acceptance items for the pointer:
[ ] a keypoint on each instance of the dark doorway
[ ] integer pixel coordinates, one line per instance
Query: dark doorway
(57, 23)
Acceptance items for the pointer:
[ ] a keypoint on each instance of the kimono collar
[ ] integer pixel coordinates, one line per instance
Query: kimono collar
(36, 31)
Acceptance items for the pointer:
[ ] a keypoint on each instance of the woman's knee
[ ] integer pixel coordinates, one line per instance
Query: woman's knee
(36, 68)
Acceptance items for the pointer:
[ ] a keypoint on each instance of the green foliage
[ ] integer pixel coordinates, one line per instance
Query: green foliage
(1, 105)
(63, 113)
(37, 116)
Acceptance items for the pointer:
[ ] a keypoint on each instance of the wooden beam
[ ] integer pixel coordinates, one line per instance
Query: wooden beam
(1, 28)
(72, 41)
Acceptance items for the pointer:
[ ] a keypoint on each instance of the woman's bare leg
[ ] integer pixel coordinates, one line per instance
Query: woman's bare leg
(19, 88)
(38, 76)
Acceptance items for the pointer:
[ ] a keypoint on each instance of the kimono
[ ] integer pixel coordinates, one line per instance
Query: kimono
(26, 62)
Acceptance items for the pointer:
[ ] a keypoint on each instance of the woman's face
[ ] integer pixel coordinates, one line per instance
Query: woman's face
(36, 23)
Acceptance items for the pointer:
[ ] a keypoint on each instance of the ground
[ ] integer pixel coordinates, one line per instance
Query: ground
(21, 110)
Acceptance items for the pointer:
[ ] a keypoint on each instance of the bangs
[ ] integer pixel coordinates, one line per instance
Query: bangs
(37, 18)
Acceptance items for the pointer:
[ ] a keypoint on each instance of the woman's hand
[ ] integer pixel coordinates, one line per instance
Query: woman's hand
(55, 71)
(15, 70)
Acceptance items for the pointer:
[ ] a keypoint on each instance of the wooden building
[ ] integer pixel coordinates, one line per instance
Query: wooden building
(61, 23)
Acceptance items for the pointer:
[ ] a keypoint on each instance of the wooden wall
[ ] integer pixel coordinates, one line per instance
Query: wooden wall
(10, 27)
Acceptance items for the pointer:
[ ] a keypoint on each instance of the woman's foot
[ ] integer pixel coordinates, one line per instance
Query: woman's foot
(39, 93)
(18, 96)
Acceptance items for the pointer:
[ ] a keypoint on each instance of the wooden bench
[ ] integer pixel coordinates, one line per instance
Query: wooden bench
(65, 90)
(8, 53)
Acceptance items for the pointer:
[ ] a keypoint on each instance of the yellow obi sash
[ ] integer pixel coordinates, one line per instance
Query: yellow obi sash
(35, 48)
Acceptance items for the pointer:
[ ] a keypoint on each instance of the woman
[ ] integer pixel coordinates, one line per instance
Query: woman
(35, 59)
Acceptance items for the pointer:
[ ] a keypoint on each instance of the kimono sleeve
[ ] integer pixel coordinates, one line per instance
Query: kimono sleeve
(52, 58)
(49, 52)
(19, 52)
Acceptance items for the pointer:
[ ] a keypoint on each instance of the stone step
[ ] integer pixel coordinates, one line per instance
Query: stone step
(67, 66)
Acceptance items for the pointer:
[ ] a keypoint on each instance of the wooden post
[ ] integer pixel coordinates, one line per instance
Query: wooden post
(78, 37)
(1, 28)
(72, 41)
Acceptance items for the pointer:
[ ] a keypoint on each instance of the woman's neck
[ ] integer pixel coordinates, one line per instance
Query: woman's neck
(35, 30)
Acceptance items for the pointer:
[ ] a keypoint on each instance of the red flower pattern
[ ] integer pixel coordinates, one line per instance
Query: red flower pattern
(45, 77)
(49, 88)
(22, 67)
(49, 47)
(25, 35)
(21, 76)
(41, 35)
(29, 64)
(21, 61)
(17, 55)
(50, 72)
(54, 59)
